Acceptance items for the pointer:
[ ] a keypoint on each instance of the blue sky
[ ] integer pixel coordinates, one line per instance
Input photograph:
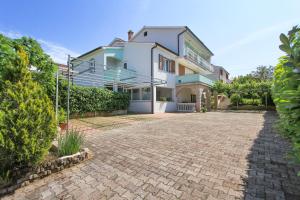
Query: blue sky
(242, 33)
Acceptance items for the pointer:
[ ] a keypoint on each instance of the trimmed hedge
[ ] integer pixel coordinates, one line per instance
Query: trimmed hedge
(92, 99)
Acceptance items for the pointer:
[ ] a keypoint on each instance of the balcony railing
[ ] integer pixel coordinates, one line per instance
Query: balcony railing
(186, 107)
(193, 78)
(197, 59)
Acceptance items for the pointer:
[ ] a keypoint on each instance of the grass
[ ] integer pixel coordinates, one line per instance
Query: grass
(70, 143)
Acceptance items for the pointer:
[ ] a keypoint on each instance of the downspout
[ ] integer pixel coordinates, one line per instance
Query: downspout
(178, 36)
(152, 72)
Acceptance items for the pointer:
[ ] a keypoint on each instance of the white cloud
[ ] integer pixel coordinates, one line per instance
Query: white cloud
(56, 51)
(252, 37)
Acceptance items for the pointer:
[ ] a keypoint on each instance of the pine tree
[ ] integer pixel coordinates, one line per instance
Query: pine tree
(27, 120)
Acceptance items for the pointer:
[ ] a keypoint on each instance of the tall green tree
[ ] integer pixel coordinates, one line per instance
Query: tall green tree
(41, 66)
(27, 119)
(263, 73)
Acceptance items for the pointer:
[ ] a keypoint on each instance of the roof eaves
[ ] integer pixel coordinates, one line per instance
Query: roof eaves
(89, 52)
(189, 30)
(162, 46)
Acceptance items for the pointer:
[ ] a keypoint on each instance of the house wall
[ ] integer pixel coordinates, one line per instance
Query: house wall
(160, 106)
(167, 37)
(90, 80)
(140, 106)
(138, 58)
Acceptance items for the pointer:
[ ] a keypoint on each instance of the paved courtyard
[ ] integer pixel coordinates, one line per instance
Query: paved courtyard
(185, 156)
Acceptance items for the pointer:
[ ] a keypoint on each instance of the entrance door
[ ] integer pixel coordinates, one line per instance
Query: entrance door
(181, 70)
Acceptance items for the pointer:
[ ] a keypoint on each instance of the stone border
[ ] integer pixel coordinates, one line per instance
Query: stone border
(45, 169)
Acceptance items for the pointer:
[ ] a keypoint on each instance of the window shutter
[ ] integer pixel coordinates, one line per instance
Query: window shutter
(160, 62)
(172, 66)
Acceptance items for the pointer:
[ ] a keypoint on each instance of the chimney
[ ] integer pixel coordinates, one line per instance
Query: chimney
(130, 34)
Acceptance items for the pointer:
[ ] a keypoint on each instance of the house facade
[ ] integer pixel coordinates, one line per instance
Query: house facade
(221, 74)
(163, 68)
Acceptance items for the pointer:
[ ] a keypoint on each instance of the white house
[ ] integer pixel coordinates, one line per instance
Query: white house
(164, 68)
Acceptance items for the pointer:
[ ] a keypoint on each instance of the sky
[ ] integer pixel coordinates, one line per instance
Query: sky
(242, 34)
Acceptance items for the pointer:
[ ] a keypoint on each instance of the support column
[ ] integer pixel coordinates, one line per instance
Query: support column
(215, 100)
(208, 99)
(115, 87)
(198, 99)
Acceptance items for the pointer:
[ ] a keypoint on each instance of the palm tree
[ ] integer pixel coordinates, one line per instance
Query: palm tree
(263, 72)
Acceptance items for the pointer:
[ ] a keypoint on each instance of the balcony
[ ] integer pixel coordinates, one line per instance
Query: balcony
(194, 78)
(197, 59)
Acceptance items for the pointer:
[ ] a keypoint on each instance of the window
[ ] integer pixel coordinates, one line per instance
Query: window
(92, 65)
(109, 87)
(145, 33)
(125, 65)
(166, 64)
(164, 94)
(120, 89)
(226, 76)
(146, 94)
(135, 94)
(221, 72)
(193, 98)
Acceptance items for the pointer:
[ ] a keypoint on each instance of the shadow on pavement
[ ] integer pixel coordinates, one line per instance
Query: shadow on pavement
(271, 174)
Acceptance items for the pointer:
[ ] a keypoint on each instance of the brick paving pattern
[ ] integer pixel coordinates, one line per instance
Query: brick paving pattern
(187, 156)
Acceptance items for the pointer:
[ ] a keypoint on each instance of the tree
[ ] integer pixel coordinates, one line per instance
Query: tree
(263, 73)
(27, 119)
(44, 67)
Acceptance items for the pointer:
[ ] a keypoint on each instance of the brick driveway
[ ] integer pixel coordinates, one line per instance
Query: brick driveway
(187, 156)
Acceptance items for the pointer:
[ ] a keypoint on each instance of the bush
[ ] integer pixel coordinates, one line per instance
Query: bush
(70, 143)
(62, 116)
(286, 90)
(235, 99)
(92, 99)
(27, 119)
(251, 101)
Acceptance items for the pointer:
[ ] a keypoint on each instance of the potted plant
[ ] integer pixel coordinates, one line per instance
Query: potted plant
(163, 98)
(62, 119)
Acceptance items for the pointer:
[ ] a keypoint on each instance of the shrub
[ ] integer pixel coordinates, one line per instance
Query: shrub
(62, 116)
(286, 90)
(204, 109)
(91, 99)
(235, 98)
(251, 101)
(70, 143)
(27, 119)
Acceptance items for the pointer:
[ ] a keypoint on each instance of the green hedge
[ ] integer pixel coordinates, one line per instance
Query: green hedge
(92, 99)
(256, 102)
(286, 89)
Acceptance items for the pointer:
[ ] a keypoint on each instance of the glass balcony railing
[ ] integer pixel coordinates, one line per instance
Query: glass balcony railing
(193, 78)
(197, 59)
